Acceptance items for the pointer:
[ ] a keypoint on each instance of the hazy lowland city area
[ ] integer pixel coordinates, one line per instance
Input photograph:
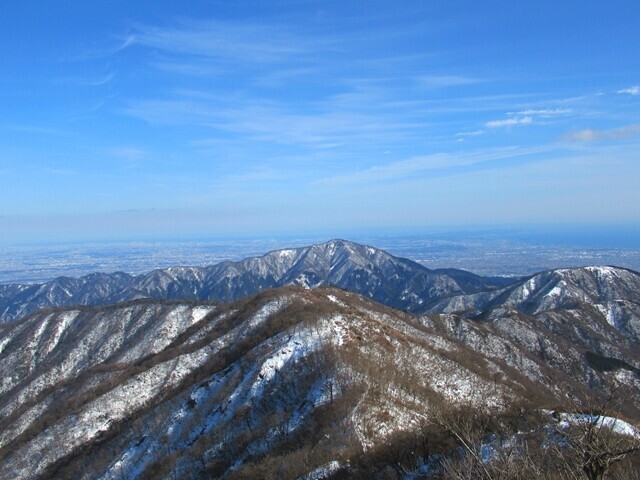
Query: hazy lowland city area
(510, 252)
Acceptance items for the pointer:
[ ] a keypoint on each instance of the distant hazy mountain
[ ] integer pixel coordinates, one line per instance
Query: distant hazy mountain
(284, 383)
(397, 282)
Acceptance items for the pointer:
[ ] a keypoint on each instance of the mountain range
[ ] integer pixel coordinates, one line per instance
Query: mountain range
(397, 282)
(304, 380)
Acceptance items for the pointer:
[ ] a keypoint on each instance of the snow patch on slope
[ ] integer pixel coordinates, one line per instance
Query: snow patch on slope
(614, 424)
(286, 254)
(323, 471)
(335, 300)
(3, 343)
(557, 290)
(527, 288)
(605, 272)
(295, 348)
(62, 324)
(173, 323)
(608, 310)
(267, 311)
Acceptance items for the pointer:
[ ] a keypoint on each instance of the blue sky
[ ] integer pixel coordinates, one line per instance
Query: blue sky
(154, 119)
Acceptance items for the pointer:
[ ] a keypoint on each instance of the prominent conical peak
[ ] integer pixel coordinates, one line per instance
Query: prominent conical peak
(329, 248)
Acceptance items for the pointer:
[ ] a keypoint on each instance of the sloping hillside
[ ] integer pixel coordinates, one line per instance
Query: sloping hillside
(190, 388)
(287, 381)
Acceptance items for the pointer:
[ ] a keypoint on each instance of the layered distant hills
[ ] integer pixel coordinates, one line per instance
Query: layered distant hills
(396, 282)
(155, 377)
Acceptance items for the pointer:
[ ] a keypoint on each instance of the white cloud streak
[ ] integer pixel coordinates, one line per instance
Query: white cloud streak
(474, 133)
(509, 122)
(442, 81)
(316, 125)
(545, 112)
(589, 135)
(234, 42)
(90, 82)
(431, 164)
(635, 90)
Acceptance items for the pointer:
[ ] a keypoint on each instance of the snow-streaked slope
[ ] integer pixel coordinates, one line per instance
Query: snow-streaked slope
(396, 282)
(310, 377)
(122, 391)
(614, 294)
(570, 326)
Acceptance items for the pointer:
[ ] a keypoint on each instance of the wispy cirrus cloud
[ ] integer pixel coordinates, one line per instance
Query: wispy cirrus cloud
(462, 136)
(89, 81)
(187, 68)
(590, 135)
(128, 153)
(544, 112)
(474, 133)
(114, 46)
(126, 42)
(435, 164)
(360, 98)
(635, 90)
(311, 124)
(442, 81)
(291, 94)
(527, 117)
(234, 42)
(509, 122)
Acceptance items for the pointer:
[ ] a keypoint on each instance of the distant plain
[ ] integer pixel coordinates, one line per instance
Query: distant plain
(514, 251)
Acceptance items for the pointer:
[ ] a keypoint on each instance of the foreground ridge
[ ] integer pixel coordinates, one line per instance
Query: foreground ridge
(318, 378)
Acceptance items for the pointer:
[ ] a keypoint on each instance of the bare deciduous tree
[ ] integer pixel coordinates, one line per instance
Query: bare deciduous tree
(592, 442)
